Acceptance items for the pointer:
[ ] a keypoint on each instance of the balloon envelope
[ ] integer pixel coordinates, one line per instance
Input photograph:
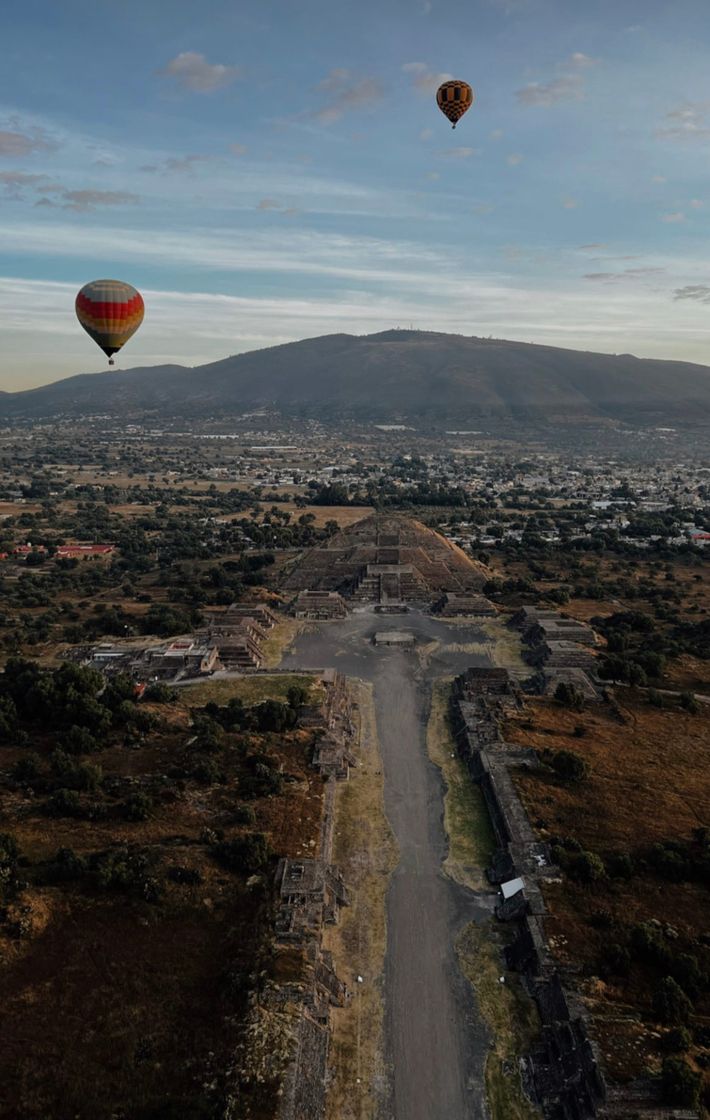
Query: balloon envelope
(110, 312)
(454, 98)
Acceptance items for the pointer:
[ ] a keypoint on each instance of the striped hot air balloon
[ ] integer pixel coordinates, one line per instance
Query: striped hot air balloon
(110, 312)
(454, 98)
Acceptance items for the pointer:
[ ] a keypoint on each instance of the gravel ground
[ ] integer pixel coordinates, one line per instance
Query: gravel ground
(435, 1040)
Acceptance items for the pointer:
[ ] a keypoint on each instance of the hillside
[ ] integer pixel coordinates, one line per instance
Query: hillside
(394, 375)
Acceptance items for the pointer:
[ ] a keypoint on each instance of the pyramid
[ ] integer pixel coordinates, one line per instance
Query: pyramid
(387, 558)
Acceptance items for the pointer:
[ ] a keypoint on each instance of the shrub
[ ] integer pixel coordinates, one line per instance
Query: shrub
(689, 703)
(569, 696)
(620, 865)
(246, 853)
(187, 876)
(27, 769)
(243, 814)
(159, 693)
(614, 960)
(208, 772)
(65, 803)
(66, 866)
(680, 1084)
(585, 867)
(137, 807)
(676, 1041)
(656, 698)
(79, 740)
(570, 767)
(296, 696)
(670, 1003)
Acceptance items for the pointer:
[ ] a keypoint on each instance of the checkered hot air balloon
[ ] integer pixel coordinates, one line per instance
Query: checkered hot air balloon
(110, 312)
(454, 98)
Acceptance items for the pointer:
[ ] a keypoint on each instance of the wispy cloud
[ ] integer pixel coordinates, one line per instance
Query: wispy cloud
(457, 153)
(514, 159)
(191, 71)
(688, 122)
(570, 203)
(698, 292)
(625, 274)
(424, 79)
(567, 85)
(175, 165)
(20, 186)
(674, 217)
(238, 149)
(15, 145)
(346, 91)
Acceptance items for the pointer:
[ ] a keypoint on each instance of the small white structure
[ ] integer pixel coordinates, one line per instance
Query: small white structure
(511, 888)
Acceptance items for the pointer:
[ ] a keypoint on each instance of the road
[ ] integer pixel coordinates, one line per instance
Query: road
(435, 1041)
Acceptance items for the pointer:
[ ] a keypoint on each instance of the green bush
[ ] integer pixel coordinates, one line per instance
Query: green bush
(65, 803)
(243, 814)
(680, 1084)
(27, 769)
(585, 867)
(137, 807)
(670, 1003)
(570, 767)
(208, 772)
(66, 866)
(247, 854)
(676, 1041)
(160, 693)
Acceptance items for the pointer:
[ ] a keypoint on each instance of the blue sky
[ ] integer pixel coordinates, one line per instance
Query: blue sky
(272, 171)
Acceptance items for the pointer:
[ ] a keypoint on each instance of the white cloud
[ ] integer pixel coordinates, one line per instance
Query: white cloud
(269, 204)
(424, 78)
(676, 216)
(514, 159)
(659, 179)
(688, 122)
(697, 203)
(568, 85)
(426, 134)
(570, 203)
(191, 71)
(497, 134)
(238, 149)
(345, 92)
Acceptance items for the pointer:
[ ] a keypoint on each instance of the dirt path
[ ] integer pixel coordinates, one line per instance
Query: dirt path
(436, 1041)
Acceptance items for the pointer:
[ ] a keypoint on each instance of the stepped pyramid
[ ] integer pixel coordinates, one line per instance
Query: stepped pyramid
(387, 558)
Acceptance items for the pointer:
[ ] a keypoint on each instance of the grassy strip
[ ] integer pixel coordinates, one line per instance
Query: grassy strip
(510, 1014)
(250, 689)
(366, 853)
(280, 639)
(506, 1008)
(466, 819)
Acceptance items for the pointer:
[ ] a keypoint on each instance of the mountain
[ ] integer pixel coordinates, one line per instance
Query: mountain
(396, 375)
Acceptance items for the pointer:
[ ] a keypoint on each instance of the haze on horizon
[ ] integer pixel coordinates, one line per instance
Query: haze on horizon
(269, 174)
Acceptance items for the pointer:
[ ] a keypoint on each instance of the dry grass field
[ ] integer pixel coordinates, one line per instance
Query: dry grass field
(648, 784)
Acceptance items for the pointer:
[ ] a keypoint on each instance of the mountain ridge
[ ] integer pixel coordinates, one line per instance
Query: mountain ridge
(394, 374)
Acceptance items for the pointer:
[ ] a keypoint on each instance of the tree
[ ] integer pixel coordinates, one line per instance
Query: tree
(680, 1084)
(570, 767)
(670, 1003)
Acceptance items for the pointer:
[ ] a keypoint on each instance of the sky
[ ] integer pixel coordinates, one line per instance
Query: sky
(274, 171)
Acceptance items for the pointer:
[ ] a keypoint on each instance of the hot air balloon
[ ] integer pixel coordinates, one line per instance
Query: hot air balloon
(110, 312)
(454, 98)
